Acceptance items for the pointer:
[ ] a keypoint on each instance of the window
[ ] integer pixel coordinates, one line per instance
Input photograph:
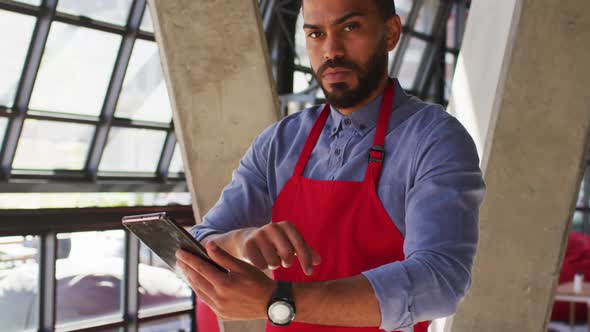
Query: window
(41, 143)
(131, 150)
(96, 277)
(89, 265)
(19, 279)
(144, 95)
(83, 101)
(14, 50)
(112, 11)
(75, 70)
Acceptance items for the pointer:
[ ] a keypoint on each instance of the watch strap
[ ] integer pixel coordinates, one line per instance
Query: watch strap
(284, 292)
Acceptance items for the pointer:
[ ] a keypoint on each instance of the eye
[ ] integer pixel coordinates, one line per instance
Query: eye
(350, 27)
(315, 34)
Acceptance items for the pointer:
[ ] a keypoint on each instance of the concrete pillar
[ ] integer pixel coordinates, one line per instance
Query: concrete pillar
(221, 88)
(521, 89)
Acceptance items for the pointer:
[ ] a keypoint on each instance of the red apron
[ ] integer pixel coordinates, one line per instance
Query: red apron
(343, 221)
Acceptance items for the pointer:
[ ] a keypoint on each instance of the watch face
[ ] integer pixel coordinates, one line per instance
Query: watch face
(281, 313)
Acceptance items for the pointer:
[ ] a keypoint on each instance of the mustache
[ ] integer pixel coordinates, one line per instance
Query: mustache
(337, 63)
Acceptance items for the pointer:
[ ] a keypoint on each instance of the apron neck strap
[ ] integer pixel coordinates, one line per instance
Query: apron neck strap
(311, 141)
(376, 153)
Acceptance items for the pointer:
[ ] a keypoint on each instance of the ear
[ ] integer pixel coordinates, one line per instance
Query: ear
(394, 31)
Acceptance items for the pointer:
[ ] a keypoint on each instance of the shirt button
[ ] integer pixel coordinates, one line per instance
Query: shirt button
(347, 122)
(337, 152)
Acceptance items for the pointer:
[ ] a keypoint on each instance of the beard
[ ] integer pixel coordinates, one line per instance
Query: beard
(368, 76)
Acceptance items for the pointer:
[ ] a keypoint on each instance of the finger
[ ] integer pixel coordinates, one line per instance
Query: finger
(315, 257)
(282, 245)
(201, 267)
(206, 299)
(196, 281)
(254, 256)
(301, 248)
(268, 250)
(226, 260)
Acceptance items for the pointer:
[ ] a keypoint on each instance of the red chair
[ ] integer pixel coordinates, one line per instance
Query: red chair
(576, 260)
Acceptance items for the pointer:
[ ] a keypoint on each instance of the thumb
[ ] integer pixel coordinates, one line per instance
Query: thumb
(224, 259)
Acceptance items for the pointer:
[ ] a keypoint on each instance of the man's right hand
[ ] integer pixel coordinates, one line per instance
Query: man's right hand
(270, 246)
(277, 244)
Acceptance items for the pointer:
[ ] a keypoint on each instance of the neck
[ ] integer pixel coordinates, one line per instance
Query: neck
(377, 92)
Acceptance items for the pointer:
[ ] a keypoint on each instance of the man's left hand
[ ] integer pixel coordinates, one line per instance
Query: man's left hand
(241, 294)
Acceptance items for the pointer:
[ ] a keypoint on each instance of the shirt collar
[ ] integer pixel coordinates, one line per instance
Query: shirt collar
(365, 119)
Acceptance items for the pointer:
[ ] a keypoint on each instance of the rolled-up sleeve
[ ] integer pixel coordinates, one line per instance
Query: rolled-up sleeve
(245, 201)
(441, 219)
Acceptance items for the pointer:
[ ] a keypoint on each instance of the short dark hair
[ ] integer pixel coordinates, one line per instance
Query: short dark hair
(386, 8)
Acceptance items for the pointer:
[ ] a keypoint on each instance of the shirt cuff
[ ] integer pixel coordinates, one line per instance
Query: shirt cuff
(200, 233)
(392, 289)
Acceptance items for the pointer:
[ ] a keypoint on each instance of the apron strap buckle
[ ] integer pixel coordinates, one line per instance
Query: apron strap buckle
(376, 154)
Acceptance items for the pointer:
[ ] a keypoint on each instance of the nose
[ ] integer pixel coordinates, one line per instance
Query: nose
(333, 47)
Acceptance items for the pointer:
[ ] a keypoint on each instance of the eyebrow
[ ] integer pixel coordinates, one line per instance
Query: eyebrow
(336, 21)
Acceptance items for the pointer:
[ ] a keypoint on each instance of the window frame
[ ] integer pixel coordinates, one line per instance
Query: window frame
(47, 223)
(88, 179)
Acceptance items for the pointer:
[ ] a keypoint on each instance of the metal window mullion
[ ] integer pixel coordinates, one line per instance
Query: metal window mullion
(405, 39)
(434, 80)
(460, 20)
(21, 8)
(267, 15)
(25, 86)
(166, 156)
(130, 294)
(47, 292)
(114, 90)
(428, 58)
(86, 22)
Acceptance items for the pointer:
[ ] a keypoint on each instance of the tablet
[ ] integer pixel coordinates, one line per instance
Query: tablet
(165, 236)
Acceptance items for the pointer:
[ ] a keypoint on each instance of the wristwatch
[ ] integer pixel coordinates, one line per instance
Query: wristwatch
(281, 307)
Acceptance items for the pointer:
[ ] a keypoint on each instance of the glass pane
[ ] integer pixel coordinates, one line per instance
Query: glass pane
(159, 286)
(580, 202)
(144, 95)
(13, 55)
(300, 45)
(146, 22)
(451, 22)
(53, 145)
(112, 11)
(89, 275)
(411, 62)
(81, 61)
(132, 150)
(176, 165)
(19, 275)
(85, 200)
(449, 73)
(426, 16)
(172, 324)
(402, 8)
(3, 123)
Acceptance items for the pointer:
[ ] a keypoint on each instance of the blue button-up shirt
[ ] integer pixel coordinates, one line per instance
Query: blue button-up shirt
(431, 187)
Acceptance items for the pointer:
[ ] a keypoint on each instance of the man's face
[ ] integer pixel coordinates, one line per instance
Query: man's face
(348, 43)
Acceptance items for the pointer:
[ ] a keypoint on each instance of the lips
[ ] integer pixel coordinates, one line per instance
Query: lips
(336, 74)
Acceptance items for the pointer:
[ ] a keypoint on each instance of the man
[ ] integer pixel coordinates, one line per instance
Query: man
(365, 209)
